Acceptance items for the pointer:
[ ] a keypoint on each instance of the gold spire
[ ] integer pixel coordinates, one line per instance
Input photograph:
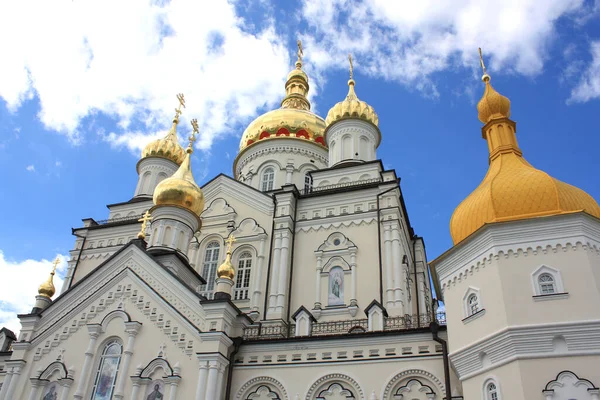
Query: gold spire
(144, 220)
(168, 147)
(296, 87)
(512, 189)
(47, 289)
(492, 105)
(226, 269)
(351, 107)
(180, 189)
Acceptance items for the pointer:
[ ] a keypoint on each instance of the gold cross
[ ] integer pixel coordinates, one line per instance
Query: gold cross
(181, 104)
(144, 220)
(300, 50)
(481, 62)
(351, 66)
(55, 263)
(230, 242)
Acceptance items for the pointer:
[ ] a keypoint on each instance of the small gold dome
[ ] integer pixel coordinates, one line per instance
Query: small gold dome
(293, 120)
(47, 288)
(492, 105)
(226, 269)
(512, 188)
(180, 189)
(167, 147)
(352, 107)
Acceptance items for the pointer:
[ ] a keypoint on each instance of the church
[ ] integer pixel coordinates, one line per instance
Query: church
(301, 277)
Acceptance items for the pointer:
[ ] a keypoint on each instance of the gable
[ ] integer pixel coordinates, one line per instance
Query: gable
(237, 194)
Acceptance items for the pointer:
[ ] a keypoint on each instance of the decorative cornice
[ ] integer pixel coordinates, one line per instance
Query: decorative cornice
(527, 342)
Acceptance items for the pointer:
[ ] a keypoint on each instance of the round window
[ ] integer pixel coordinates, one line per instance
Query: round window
(336, 242)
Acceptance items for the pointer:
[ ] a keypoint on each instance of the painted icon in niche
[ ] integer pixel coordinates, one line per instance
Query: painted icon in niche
(156, 390)
(51, 392)
(336, 286)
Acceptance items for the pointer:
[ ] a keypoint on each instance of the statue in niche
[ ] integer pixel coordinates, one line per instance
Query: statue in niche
(156, 390)
(51, 392)
(336, 286)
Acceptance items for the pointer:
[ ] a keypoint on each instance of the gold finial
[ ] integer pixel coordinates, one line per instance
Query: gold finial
(485, 76)
(47, 289)
(178, 109)
(226, 269)
(230, 241)
(300, 54)
(351, 67)
(192, 137)
(144, 220)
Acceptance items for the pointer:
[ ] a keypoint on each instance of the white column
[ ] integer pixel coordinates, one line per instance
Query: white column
(289, 169)
(389, 291)
(318, 283)
(173, 382)
(135, 391)
(35, 387)
(397, 263)
(94, 331)
(132, 329)
(66, 386)
(192, 254)
(175, 227)
(5, 384)
(202, 376)
(258, 275)
(273, 286)
(213, 378)
(12, 386)
(353, 300)
(220, 382)
(283, 271)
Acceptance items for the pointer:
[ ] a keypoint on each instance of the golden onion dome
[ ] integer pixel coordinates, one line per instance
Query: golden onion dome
(47, 288)
(226, 269)
(180, 189)
(492, 105)
(512, 189)
(293, 120)
(352, 107)
(167, 147)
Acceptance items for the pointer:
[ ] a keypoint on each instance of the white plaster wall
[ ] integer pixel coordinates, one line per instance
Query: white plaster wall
(352, 140)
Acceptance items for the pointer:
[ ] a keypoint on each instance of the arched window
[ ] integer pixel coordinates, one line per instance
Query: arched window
(242, 279)
(108, 368)
(473, 303)
(491, 391)
(308, 182)
(268, 179)
(209, 270)
(547, 284)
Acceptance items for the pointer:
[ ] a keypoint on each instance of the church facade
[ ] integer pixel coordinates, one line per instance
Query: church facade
(301, 277)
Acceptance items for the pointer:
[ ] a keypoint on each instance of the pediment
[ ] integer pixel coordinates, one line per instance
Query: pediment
(228, 188)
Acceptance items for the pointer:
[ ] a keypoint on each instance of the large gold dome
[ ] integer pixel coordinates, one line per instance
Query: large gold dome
(512, 189)
(180, 189)
(293, 120)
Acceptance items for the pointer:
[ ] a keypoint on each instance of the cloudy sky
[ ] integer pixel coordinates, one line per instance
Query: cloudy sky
(85, 84)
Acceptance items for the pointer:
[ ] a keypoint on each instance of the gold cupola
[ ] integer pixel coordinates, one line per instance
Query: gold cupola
(293, 120)
(168, 147)
(180, 189)
(47, 288)
(226, 269)
(351, 106)
(512, 188)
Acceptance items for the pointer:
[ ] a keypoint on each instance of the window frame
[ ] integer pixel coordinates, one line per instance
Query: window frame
(538, 286)
(243, 275)
(267, 184)
(210, 265)
(489, 395)
(103, 356)
(468, 313)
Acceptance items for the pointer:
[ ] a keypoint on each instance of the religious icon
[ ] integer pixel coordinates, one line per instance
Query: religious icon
(336, 286)
(156, 390)
(51, 392)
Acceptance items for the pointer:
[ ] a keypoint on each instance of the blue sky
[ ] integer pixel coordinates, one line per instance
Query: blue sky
(78, 100)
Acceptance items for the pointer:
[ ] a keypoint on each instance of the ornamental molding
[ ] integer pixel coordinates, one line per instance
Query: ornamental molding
(290, 148)
(527, 342)
(333, 378)
(225, 187)
(314, 225)
(259, 380)
(573, 232)
(411, 373)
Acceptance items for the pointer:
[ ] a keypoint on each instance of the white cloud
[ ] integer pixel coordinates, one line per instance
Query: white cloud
(409, 41)
(84, 58)
(19, 286)
(588, 87)
(57, 163)
(30, 168)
